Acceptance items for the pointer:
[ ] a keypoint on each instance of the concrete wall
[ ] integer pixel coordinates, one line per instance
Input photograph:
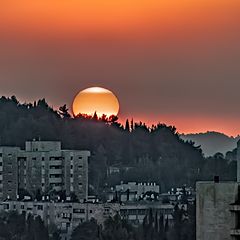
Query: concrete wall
(238, 161)
(214, 219)
(42, 146)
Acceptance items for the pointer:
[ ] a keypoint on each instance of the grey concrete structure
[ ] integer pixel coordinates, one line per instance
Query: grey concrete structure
(45, 167)
(214, 219)
(238, 162)
(218, 208)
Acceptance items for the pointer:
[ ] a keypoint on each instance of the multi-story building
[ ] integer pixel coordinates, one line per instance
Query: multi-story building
(214, 220)
(43, 166)
(135, 212)
(218, 208)
(66, 216)
(133, 191)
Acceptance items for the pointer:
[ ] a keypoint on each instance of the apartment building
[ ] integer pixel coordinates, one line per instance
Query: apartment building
(43, 166)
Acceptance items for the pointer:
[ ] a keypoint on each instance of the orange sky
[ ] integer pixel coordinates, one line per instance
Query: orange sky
(174, 61)
(116, 17)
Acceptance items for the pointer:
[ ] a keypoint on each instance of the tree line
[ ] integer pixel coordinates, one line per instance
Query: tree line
(14, 226)
(150, 154)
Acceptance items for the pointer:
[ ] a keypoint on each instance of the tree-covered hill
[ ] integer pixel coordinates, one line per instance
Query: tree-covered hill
(151, 154)
(213, 142)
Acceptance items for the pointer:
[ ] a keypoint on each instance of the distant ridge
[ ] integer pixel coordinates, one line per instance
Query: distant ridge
(212, 142)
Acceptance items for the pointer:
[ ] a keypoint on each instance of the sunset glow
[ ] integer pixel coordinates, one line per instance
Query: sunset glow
(167, 60)
(96, 99)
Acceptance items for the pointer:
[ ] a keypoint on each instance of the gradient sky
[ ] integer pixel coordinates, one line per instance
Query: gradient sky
(173, 61)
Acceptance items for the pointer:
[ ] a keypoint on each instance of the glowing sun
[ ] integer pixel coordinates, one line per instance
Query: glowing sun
(95, 99)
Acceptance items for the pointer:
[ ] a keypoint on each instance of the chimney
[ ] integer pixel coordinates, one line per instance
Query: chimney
(238, 161)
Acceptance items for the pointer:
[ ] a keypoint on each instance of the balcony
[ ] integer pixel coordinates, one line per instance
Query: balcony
(234, 208)
(55, 163)
(55, 171)
(235, 232)
(55, 180)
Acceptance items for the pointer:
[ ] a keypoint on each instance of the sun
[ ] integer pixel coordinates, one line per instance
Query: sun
(95, 99)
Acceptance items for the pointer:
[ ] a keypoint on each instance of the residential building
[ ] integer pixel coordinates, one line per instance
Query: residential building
(64, 215)
(133, 191)
(43, 166)
(218, 208)
(68, 215)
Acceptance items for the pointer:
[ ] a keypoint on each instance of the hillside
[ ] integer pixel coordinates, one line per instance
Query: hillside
(212, 142)
(155, 154)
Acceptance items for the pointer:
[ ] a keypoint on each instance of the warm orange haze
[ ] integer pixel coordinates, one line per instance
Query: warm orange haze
(173, 61)
(96, 100)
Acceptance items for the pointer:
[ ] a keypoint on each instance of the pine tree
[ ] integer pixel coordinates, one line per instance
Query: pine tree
(63, 111)
(156, 222)
(127, 127)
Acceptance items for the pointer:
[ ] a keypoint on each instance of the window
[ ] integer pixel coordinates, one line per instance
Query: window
(0, 163)
(39, 207)
(77, 210)
(106, 211)
(55, 175)
(56, 158)
(82, 210)
(80, 167)
(34, 158)
(6, 206)
(71, 175)
(141, 211)
(123, 212)
(55, 167)
(132, 211)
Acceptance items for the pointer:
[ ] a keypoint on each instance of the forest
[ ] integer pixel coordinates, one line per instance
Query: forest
(142, 153)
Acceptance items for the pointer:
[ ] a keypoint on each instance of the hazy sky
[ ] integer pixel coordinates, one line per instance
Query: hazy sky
(174, 61)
